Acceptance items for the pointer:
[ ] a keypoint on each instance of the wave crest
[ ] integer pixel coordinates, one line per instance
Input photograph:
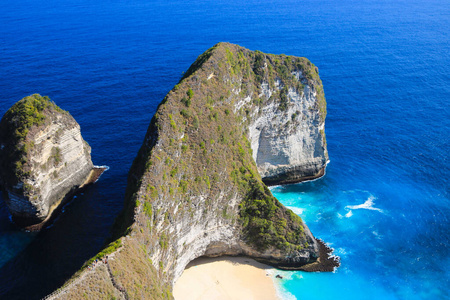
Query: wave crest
(369, 204)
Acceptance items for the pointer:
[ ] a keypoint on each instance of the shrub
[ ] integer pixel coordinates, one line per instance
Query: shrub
(195, 122)
(186, 101)
(112, 247)
(190, 93)
(148, 209)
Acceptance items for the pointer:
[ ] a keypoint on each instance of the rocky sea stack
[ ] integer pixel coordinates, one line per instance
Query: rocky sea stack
(43, 159)
(238, 118)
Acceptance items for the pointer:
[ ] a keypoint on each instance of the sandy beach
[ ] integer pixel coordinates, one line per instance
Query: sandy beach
(225, 278)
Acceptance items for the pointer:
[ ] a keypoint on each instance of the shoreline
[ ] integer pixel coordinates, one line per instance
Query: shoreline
(57, 207)
(327, 261)
(226, 277)
(238, 277)
(273, 181)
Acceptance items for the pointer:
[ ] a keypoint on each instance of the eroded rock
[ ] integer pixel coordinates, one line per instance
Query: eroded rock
(43, 158)
(237, 118)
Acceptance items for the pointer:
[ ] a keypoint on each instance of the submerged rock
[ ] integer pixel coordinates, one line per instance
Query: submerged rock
(43, 158)
(237, 118)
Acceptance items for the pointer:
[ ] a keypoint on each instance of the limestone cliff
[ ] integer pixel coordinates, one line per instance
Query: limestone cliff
(287, 132)
(42, 158)
(196, 187)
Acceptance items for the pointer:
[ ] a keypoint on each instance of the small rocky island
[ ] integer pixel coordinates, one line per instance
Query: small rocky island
(43, 160)
(237, 121)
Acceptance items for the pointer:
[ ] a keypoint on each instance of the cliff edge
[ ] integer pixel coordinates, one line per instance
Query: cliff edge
(42, 159)
(238, 118)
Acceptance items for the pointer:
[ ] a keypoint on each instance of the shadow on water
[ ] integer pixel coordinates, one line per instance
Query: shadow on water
(60, 250)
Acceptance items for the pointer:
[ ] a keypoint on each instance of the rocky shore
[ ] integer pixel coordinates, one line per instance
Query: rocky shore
(327, 262)
(93, 177)
(196, 187)
(44, 160)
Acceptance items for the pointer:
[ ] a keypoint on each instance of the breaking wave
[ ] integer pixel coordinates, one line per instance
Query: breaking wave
(369, 204)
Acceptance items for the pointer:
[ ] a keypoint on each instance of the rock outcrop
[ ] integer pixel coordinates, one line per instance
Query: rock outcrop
(43, 158)
(287, 135)
(196, 188)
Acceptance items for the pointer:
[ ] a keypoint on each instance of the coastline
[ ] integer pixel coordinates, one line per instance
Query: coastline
(226, 277)
(327, 261)
(56, 208)
(277, 181)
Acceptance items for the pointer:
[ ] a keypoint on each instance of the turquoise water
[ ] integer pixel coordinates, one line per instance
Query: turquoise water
(384, 202)
(388, 249)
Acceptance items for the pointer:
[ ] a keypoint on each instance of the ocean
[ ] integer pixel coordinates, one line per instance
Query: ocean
(383, 204)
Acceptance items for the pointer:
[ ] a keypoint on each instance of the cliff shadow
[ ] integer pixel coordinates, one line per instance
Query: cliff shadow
(60, 250)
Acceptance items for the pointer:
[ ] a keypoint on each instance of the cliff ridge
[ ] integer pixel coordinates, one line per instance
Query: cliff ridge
(237, 119)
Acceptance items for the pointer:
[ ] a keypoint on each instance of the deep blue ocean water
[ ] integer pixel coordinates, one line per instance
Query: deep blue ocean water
(384, 202)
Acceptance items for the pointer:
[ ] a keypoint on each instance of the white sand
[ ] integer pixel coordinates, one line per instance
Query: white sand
(225, 278)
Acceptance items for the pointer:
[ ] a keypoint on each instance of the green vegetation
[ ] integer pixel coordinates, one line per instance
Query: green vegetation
(196, 159)
(267, 223)
(148, 209)
(284, 101)
(186, 101)
(172, 123)
(190, 93)
(185, 113)
(110, 248)
(199, 62)
(15, 126)
(56, 155)
(195, 122)
(163, 241)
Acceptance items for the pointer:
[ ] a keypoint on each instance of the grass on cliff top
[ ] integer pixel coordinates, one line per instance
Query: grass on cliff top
(26, 113)
(15, 125)
(203, 149)
(214, 151)
(133, 270)
(251, 65)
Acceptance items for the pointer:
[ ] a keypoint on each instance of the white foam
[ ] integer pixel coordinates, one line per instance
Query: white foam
(274, 187)
(349, 214)
(366, 205)
(296, 210)
(341, 251)
(315, 179)
(282, 293)
(377, 235)
(101, 167)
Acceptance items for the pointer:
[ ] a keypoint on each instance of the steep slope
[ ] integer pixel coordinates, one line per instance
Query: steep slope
(196, 186)
(42, 158)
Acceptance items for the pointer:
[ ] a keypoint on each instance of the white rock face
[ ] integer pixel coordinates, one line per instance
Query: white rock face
(289, 145)
(56, 179)
(196, 240)
(193, 190)
(59, 162)
(202, 233)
